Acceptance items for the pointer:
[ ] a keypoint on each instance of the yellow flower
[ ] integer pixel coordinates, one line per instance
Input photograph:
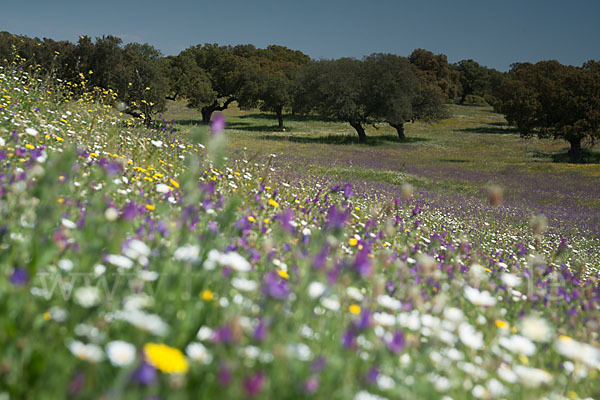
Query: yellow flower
(501, 324)
(165, 358)
(93, 155)
(273, 203)
(207, 295)
(251, 219)
(283, 274)
(354, 309)
(174, 183)
(29, 146)
(353, 242)
(150, 207)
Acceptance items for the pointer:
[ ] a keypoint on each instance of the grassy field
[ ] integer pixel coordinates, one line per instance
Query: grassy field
(449, 162)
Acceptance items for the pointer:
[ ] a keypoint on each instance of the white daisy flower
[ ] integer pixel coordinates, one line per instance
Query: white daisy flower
(197, 351)
(316, 289)
(469, 336)
(188, 252)
(245, 285)
(162, 188)
(205, 333)
(119, 261)
(389, 302)
(31, 132)
(532, 377)
(536, 328)
(483, 299)
(88, 352)
(582, 352)
(518, 344)
(87, 297)
(120, 353)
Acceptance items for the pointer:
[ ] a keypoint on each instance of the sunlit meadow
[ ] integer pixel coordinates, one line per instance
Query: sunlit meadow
(143, 263)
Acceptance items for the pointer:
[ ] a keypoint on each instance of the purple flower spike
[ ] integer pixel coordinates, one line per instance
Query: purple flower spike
(396, 345)
(19, 277)
(348, 191)
(318, 364)
(217, 124)
(311, 385)
(372, 375)
(129, 212)
(145, 374)
(261, 331)
(76, 384)
(362, 263)
(275, 286)
(254, 384)
(224, 374)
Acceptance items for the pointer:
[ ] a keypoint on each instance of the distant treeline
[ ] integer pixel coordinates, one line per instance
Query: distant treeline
(378, 88)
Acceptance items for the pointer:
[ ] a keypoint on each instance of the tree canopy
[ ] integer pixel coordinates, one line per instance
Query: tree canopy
(381, 88)
(477, 80)
(435, 70)
(551, 100)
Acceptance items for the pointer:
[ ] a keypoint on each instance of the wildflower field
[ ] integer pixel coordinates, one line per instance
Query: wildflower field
(144, 262)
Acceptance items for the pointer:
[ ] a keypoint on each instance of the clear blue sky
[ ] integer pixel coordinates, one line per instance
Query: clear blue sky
(495, 33)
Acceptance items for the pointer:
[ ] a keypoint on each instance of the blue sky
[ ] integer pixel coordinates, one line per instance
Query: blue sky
(494, 33)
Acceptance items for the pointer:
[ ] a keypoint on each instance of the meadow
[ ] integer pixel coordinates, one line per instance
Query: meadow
(451, 163)
(232, 261)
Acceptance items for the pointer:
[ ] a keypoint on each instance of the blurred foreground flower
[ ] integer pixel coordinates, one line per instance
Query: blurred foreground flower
(165, 358)
(217, 124)
(120, 353)
(19, 277)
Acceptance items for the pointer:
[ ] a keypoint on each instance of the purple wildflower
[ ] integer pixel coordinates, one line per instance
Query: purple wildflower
(396, 345)
(311, 385)
(372, 375)
(335, 219)
(362, 263)
(217, 124)
(261, 331)
(145, 374)
(318, 364)
(130, 211)
(224, 374)
(275, 286)
(19, 277)
(254, 384)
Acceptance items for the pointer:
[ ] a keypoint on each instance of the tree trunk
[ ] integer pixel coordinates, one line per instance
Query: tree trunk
(362, 136)
(575, 150)
(280, 117)
(400, 129)
(207, 113)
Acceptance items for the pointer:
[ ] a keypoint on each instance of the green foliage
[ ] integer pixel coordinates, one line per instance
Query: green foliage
(391, 88)
(549, 99)
(476, 79)
(225, 71)
(381, 88)
(274, 69)
(335, 89)
(435, 70)
(186, 79)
